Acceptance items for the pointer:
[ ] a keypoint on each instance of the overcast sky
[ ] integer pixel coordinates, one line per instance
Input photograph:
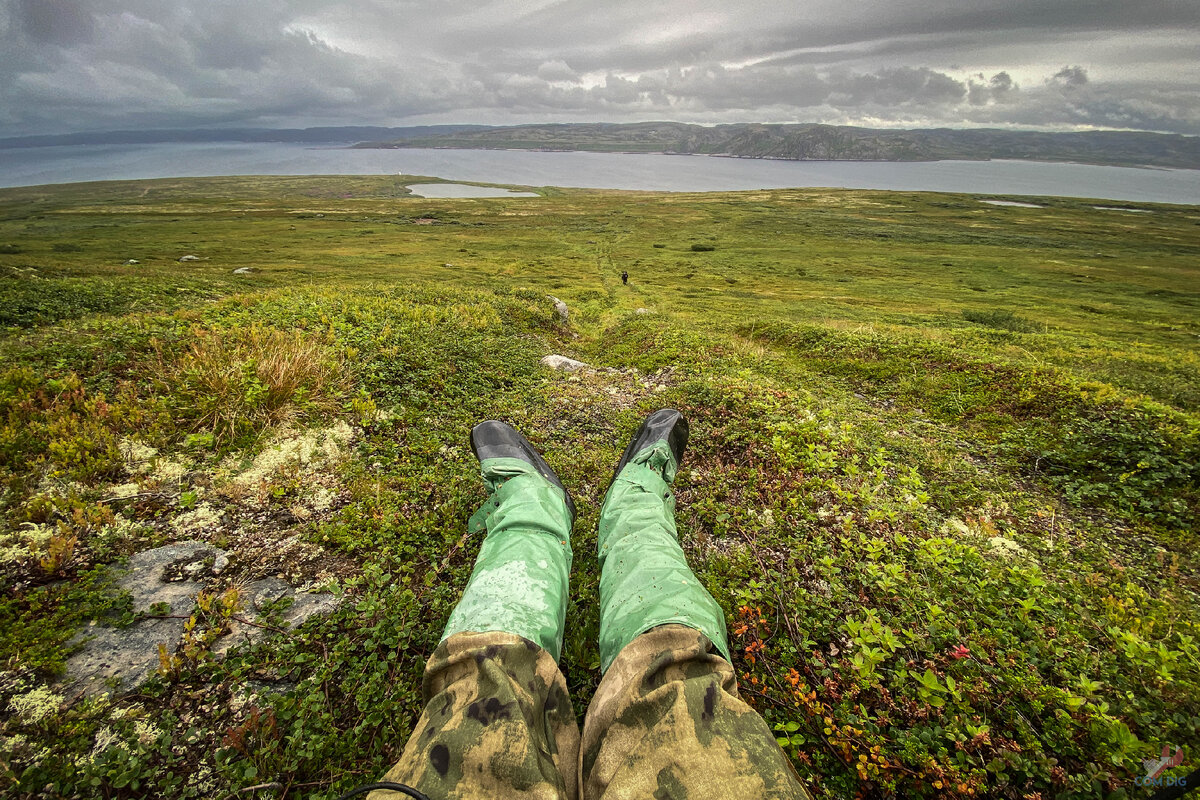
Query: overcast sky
(71, 65)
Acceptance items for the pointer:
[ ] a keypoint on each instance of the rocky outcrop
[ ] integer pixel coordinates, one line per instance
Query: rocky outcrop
(164, 582)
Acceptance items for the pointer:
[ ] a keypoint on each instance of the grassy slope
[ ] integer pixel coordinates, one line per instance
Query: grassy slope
(943, 473)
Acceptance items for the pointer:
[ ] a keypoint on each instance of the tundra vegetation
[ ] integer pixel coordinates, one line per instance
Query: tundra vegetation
(943, 471)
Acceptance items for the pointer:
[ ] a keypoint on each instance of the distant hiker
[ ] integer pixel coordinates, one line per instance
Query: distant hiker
(666, 720)
(624, 277)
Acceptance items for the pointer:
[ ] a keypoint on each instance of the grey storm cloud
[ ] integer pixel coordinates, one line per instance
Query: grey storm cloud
(104, 64)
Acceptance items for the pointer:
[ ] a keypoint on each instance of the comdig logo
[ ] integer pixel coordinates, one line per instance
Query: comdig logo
(1156, 767)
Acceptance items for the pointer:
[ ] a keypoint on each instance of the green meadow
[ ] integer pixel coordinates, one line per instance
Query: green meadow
(943, 474)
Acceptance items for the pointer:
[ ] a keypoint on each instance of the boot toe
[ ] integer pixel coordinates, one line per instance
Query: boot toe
(495, 439)
(667, 425)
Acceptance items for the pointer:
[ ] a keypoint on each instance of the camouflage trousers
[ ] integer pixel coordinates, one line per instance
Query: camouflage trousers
(666, 722)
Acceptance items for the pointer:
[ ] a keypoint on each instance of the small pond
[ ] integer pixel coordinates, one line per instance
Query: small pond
(463, 190)
(1010, 203)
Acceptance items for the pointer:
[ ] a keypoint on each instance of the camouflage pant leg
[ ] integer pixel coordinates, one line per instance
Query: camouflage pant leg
(667, 722)
(498, 724)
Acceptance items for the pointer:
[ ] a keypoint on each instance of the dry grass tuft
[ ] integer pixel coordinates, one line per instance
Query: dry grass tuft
(236, 382)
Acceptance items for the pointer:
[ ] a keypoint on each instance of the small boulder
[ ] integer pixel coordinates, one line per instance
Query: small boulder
(562, 363)
(243, 271)
(130, 262)
(189, 258)
(563, 312)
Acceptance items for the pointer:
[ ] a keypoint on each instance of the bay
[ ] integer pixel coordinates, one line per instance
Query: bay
(645, 172)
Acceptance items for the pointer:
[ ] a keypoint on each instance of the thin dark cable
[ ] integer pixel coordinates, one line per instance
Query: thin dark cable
(387, 785)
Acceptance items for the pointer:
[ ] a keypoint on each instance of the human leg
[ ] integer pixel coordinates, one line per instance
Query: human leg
(645, 580)
(498, 721)
(667, 720)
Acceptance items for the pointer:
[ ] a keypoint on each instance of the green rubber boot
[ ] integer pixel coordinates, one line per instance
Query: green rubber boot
(644, 579)
(521, 575)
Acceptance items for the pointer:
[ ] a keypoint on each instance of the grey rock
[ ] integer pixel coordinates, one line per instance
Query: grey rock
(256, 596)
(562, 363)
(126, 657)
(112, 659)
(563, 312)
(243, 271)
(189, 258)
(130, 262)
(163, 573)
(120, 660)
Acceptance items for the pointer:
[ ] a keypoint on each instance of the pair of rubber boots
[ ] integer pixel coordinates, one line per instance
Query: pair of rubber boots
(520, 584)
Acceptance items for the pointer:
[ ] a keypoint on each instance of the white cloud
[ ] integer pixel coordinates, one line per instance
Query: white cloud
(104, 64)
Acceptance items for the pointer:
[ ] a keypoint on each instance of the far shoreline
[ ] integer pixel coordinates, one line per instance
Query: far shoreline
(362, 146)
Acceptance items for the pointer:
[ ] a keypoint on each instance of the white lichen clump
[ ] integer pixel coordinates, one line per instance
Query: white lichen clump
(141, 459)
(121, 529)
(137, 455)
(169, 470)
(322, 499)
(124, 491)
(36, 705)
(307, 449)
(200, 519)
(24, 543)
(147, 732)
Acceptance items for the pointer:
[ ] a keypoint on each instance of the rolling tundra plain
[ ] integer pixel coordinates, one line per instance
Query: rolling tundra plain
(942, 474)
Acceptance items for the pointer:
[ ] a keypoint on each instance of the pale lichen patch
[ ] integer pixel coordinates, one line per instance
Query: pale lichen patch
(25, 542)
(200, 520)
(35, 705)
(307, 449)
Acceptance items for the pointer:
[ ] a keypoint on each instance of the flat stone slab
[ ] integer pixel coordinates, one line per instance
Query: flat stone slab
(255, 597)
(122, 659)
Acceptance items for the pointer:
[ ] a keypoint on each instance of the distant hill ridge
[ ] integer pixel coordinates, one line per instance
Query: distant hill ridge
(323, 135)
(797, 142)
(816, 142)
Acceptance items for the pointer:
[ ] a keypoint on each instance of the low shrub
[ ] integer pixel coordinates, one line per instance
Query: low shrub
(1004, 320)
